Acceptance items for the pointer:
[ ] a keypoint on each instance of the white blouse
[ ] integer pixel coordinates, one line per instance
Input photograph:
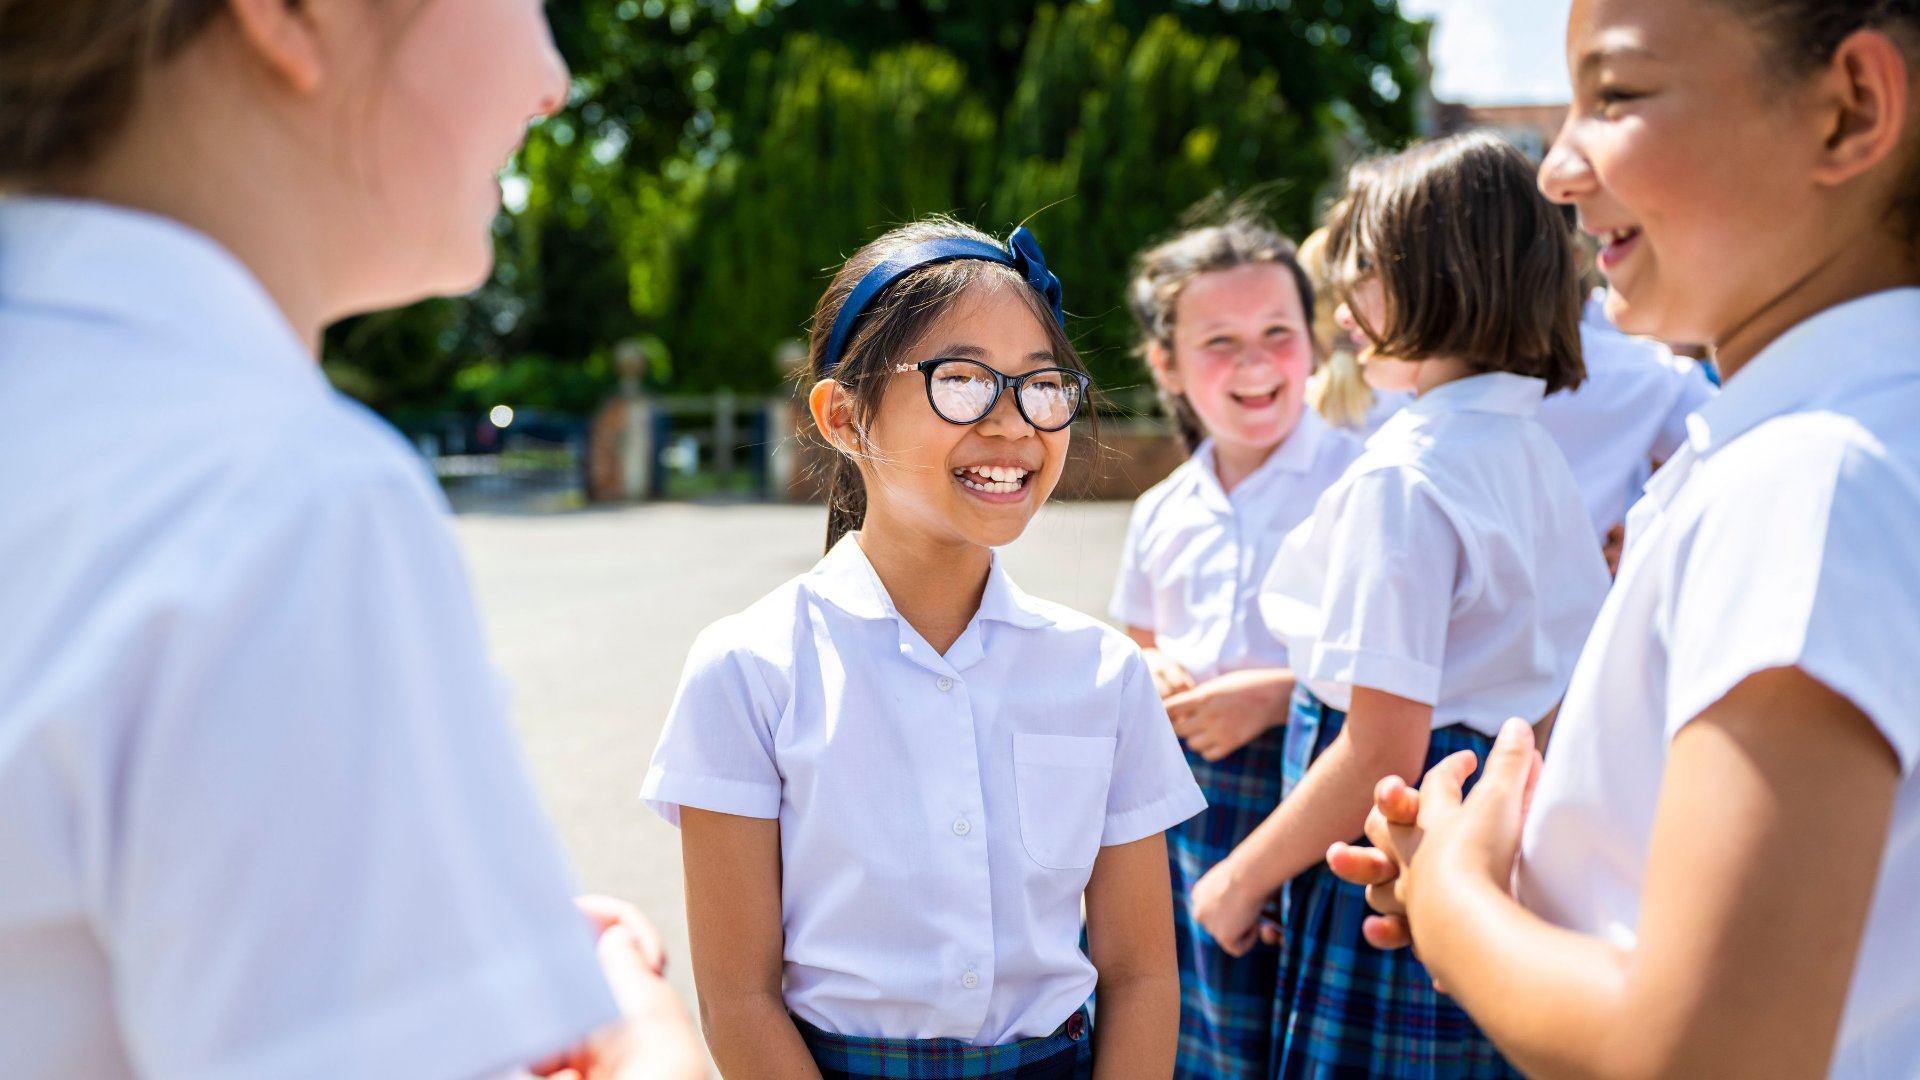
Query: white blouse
(261, 810)
(1782, 535)
(939, 815)
(1452, 565)
(1195, 555)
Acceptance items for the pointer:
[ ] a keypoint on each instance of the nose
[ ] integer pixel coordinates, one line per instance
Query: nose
(1005, 418)
(1565, 175)
(556, 81)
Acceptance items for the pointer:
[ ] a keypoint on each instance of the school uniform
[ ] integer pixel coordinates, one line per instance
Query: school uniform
(1190, 572)
(261, 810)
(1629, 413)
(1452, 565)
(939, 815)
(1781, 535)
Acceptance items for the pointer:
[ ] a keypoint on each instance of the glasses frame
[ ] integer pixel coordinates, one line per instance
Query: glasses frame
(1002, 382)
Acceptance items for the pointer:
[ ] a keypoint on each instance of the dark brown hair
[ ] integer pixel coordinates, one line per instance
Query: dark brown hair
(1474, 262)
(892, 324)
(70, 69)
(1162, 272)
(1801, 35)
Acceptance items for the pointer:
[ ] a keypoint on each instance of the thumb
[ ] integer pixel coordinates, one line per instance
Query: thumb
(1511, 769)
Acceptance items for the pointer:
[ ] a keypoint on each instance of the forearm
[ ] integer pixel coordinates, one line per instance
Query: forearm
(1138, 1032)
(1329, 806)
(752, 1035)
(1557, 1003)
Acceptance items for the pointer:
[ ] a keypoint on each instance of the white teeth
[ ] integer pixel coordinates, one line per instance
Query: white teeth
(997, 479)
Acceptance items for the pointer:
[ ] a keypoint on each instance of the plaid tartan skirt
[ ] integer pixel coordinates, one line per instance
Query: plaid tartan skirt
(1226, 1003)
(1067, 1054)
(1349, 1010)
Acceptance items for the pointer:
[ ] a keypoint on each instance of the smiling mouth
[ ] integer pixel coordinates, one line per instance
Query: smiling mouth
(1615, 246)
(994, 479)
(1256, 401)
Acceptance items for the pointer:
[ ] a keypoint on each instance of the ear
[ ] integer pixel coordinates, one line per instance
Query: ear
(285, 37)
(1160, 362)
(1864, 97)
(832, 408)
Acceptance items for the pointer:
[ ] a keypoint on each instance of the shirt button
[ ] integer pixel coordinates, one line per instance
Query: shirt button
(962, 827)
(945, 684)
(969, 980)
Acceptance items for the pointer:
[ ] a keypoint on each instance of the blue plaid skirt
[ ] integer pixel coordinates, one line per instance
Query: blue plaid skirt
(1226, 1003)
(1349, 1010)
(1067, 1054)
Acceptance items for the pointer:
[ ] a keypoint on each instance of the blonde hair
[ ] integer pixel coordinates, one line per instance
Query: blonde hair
(1338, 389)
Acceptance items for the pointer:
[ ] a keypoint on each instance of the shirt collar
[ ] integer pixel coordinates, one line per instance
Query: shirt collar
(100, 262)
(1499, 392)
(1840, 348)
(845, 579)
(1295, 456)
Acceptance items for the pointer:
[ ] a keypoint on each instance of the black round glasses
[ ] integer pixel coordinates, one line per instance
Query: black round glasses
(965, 391)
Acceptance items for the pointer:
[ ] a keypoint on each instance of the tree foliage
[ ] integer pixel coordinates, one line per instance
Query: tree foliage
(718, 159)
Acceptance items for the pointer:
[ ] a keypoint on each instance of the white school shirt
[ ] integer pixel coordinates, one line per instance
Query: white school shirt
(1195, 554)
(939, 815)
(1782, 535)
(261, 812)
(1452, 565)
(1630, 412)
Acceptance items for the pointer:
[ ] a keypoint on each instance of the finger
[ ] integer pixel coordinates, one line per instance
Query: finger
(1384, 900)
(1533, 782)
(1386, 932)
(1400, 803)
(628, 973)
(606, 912)
(1270, 934)
(1444, 782)
(1361, 866)
(1510, 769)
(1238, 946)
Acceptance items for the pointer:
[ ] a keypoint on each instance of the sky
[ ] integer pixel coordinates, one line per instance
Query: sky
(1497, 52)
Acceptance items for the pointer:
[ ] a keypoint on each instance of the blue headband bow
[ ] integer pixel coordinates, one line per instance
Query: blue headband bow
(1022, 253)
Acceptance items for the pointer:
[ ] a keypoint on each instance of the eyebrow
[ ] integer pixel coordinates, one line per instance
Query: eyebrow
(1275, 316)
(1616, 50)
(962, 351)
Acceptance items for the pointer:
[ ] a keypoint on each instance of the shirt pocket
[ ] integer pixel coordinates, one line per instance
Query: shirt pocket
(1062, 784)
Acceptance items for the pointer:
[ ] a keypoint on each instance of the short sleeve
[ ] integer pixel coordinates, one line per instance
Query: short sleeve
(1152, 788)
(1393, 559)
(1132, 603)
(1805, 559)
(716, 751)
(323, 856)
(1695, 390)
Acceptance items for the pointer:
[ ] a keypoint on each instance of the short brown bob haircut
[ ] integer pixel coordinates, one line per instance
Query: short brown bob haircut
(1474, 262)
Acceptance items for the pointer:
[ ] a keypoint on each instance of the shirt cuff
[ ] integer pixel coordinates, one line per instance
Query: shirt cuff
(1394, 675)
(1155, 817)
(666, 791)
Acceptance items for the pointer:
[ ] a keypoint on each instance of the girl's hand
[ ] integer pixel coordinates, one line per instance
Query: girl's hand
(1169, 678)
(1225, 714)
(1392, 828)
(1454, 843)
(1227, 909)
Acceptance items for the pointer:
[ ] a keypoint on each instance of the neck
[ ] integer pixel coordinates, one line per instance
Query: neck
(934, 584)
(176, 158)
(1438, 371)
(1234, 462)
(1867, 265)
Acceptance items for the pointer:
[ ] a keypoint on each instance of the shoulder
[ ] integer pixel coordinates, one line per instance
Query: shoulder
(1166, 497)
(1082, 641)
(759, 638)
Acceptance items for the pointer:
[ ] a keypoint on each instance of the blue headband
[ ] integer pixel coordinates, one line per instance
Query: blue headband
(1022, 253)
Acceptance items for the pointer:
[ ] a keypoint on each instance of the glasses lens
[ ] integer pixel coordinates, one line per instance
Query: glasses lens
(962, 391)
(1051, 399)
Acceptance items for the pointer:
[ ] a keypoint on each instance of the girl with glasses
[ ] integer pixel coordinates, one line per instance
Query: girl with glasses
(898, 775)
(1227, 316)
